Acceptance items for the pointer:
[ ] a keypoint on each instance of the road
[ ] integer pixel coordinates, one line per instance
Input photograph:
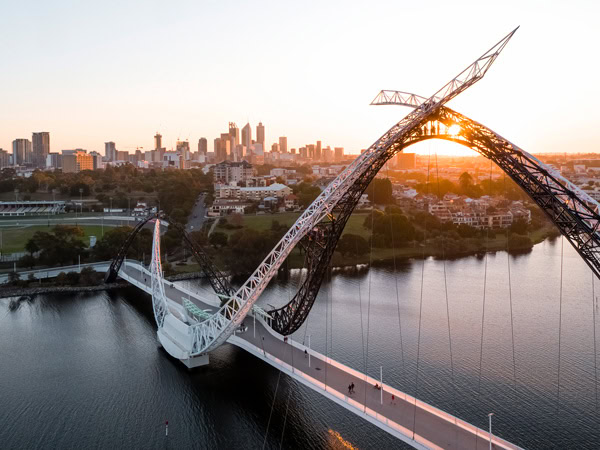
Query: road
(198, 214)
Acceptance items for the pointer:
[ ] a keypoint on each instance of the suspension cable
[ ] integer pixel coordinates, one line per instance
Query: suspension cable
(512, 326)
(487, 234)
(595, 351)
(446, 294)
(369, 291)
(421, 302)
(387, 168)
(562, 244)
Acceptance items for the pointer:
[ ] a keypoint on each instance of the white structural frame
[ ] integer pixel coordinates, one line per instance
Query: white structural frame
(211, 333)
(159, 303)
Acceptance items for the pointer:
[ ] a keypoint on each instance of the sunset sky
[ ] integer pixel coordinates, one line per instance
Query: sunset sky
(90, 72)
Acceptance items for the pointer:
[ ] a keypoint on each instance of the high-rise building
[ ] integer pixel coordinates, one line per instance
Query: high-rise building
(234, 134)
(183, 147)
(54, 160)
(232, 172)
(260, 134)
(222, 146)
(76, 161)
(157, 141)
(275, 148)
(41, 148)
(318, 151)
(21, 152)
(247, 136)
(338, 154)
(406, 160)
(110, 151)
(283, 144)
(4, 159)
(310, 150)
(202, 146)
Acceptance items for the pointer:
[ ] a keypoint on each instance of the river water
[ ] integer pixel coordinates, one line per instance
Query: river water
(86, 371)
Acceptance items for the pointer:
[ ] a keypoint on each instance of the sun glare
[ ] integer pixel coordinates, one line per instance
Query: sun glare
(454, 130)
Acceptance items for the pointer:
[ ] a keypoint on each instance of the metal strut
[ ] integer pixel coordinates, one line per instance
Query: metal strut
(218, 280)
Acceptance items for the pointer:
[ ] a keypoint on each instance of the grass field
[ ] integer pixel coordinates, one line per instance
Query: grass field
(15, 238)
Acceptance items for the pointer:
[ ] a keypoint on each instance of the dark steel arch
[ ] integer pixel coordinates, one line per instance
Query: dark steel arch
(576, 218)
(219, 282)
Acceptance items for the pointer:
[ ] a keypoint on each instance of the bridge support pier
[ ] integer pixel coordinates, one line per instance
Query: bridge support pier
(196, 361)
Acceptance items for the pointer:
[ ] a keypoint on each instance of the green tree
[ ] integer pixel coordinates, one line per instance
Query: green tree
(218, 239)
(352, 245)
(380, 191)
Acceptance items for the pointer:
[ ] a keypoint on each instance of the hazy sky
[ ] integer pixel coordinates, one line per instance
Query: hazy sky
(90, 72)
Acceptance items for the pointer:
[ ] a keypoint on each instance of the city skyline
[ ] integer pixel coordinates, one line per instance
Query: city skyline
(97, 88)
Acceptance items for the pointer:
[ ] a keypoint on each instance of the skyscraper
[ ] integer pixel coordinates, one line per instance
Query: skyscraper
(110, 151)
(260, 134)
(234, 133)
(339, 154)
(183, 147)
(4, 159)
(247, 136)
(21, 151)
(41, 148)
(157, 141)
(202, 146)
(283, 144)
(318, 151)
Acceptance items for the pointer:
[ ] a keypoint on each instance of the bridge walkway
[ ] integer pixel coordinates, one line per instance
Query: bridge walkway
(434, 428)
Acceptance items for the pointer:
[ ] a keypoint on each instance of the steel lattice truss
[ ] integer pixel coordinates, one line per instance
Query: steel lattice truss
(572, 211)
(219, 282)
(211, 333)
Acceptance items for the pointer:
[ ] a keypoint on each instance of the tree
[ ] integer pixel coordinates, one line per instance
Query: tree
(237, 219)
(380, 191)
(465, 182)
(27, 261)
(353, 245)
(32, 247)
(218, 239)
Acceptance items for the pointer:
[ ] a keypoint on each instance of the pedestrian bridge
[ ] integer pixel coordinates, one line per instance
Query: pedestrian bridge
(415, 422)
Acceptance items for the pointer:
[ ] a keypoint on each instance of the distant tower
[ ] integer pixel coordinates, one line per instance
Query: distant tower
(41, 148)
(21, 151)
(318, 151)
(157, 141)
(283, 144)
(202, 146)
(234, 134)
(247, 136)
(110, 151)
(260, 134)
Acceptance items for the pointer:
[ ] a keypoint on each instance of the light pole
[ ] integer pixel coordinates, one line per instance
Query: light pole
(309, 350)
(381, 382)
(490, 417)
(81, 200)
(110, 210)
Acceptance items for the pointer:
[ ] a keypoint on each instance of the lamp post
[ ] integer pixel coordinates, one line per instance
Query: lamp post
(110, 211)
(81, 200)
(490, 418)
(381, 382)
(309, 350)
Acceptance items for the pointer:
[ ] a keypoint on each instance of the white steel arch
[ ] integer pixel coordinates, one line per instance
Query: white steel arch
(211, 333)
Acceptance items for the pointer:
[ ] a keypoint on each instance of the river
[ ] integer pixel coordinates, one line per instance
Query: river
(86, 371)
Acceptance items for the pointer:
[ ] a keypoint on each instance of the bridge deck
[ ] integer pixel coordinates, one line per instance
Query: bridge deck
(428, 428)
